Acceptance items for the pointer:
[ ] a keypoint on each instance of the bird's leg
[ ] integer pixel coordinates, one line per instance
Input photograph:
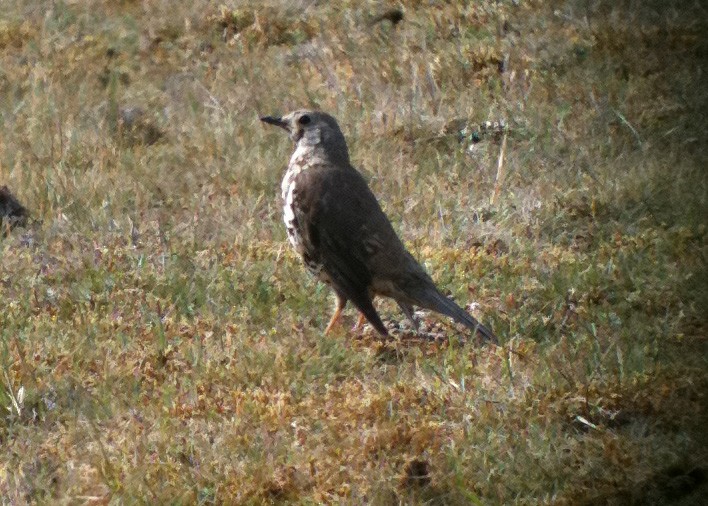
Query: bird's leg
(341, 302)
(360, 321)
(408, 311)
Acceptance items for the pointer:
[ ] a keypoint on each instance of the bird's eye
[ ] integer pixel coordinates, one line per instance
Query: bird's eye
(304, 119)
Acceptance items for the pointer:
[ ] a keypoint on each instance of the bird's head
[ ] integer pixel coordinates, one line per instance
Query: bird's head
(313, 130)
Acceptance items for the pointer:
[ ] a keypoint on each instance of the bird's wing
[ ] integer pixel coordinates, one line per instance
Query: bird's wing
(345, 227)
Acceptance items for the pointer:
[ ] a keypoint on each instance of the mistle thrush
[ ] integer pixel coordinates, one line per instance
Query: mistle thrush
(336, 224)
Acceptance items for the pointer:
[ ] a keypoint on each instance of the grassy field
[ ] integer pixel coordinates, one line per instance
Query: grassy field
(160, 343)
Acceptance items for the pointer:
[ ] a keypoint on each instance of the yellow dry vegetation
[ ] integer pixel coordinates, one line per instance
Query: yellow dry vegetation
(161, 343)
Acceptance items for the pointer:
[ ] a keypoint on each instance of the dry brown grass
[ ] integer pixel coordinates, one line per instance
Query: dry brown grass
(160, 343)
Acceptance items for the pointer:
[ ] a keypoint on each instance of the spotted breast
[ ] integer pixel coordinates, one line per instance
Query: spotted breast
(289, 192)
(292, 216)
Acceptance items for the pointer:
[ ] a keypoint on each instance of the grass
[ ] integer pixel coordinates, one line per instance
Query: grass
(160, 343)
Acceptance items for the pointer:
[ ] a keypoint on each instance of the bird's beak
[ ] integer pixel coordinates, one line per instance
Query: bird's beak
(272, 120)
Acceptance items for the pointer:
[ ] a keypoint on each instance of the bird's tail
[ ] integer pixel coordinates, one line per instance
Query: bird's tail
(436, 301)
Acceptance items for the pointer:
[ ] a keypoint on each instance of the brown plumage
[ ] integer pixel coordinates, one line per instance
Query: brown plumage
(336, 224)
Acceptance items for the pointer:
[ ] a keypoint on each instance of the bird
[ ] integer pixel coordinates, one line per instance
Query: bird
(335, 223)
